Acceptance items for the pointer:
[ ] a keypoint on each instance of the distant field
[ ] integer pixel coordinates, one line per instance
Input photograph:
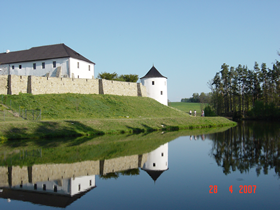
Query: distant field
(186, 107)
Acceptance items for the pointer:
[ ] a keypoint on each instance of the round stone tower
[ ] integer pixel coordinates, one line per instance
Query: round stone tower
(156, 85)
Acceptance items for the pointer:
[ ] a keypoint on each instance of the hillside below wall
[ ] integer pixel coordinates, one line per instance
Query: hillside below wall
(14, 84)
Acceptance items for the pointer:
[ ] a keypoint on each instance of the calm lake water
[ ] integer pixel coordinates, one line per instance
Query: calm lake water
(176, 175)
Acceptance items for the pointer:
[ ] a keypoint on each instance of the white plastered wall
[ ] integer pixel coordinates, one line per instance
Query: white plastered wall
(85, 69)
(156, 88)
(27, 67)
(157, 160)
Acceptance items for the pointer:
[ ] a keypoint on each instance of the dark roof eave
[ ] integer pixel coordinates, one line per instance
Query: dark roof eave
(42, 60)
(153, 77)
(41, 53)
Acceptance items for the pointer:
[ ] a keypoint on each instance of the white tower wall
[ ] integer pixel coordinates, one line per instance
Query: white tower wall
(156, 88)
(158, 159)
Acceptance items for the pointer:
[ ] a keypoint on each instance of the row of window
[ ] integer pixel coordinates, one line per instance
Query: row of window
(34, 65)
(44, 65)
(55, 187)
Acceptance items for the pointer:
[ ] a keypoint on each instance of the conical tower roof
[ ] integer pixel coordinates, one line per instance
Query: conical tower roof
(153, 73)
(154, 174)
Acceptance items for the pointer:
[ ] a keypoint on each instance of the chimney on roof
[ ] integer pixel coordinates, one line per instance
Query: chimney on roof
(7, 51)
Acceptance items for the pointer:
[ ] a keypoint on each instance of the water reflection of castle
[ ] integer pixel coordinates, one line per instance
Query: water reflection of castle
(60, 185)
(157, 162)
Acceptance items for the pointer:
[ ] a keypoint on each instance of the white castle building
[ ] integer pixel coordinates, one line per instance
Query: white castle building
(56, 193)
(156, 85)
(52, 61)
(157, 162)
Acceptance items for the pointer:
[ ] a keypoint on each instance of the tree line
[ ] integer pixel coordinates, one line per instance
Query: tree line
(242, 92)
(198, 98)
(115, 76)
(248, 145)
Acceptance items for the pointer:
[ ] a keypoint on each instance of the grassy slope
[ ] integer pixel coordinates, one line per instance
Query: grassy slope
(79, 115)
(187, 106)
(81, 106)
(82, 149)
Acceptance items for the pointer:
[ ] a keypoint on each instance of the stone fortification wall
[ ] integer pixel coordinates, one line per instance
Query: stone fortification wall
(18, 175)
(119, 88)
(4, 181)
(3, 84)
(123, 163)
(143, 90)
(14, 84)
(48, 85)
(18, 84)
(62, 171)
(39, 173)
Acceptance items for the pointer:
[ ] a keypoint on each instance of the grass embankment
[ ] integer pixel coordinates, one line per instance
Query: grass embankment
(187, 106)
(81, 115)
(30, 152)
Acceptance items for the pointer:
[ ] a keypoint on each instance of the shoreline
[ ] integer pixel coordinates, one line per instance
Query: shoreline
(17, 130)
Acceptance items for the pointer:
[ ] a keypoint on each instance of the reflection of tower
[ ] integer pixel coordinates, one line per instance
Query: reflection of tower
(157, 162)
(156, 85)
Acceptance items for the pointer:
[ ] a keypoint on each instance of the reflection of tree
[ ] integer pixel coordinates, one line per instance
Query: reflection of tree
(115, 175)
(248, 145)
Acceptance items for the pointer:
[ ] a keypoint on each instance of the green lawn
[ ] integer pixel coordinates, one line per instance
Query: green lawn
(86, 115)
(88, 106)
(45, 151)
(187, 106)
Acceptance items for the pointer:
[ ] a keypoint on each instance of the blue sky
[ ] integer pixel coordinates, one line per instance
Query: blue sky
(187, 41)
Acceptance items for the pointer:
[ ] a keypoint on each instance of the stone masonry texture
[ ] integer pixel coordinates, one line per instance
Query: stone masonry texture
(53, 85)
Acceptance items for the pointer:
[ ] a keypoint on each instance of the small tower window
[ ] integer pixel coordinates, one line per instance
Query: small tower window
(35, 186)
(34, 65)
(54, 64)
(78, 65)
(89, 67)
(44, 187)
(43, 65)
(161, 92)
(13, 67)
(162, 154)
(89, 182)
(154, 164)
(79, 187)
(153, 82)
(19, 66)
(55, 188)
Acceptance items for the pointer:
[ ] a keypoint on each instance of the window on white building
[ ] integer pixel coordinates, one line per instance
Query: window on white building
(54, 64)
(34, 65)
(89, 67)
(13, 67)
(19, 66)
(153, 82)
(43, 65)
(161, 92)
(78, 65)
